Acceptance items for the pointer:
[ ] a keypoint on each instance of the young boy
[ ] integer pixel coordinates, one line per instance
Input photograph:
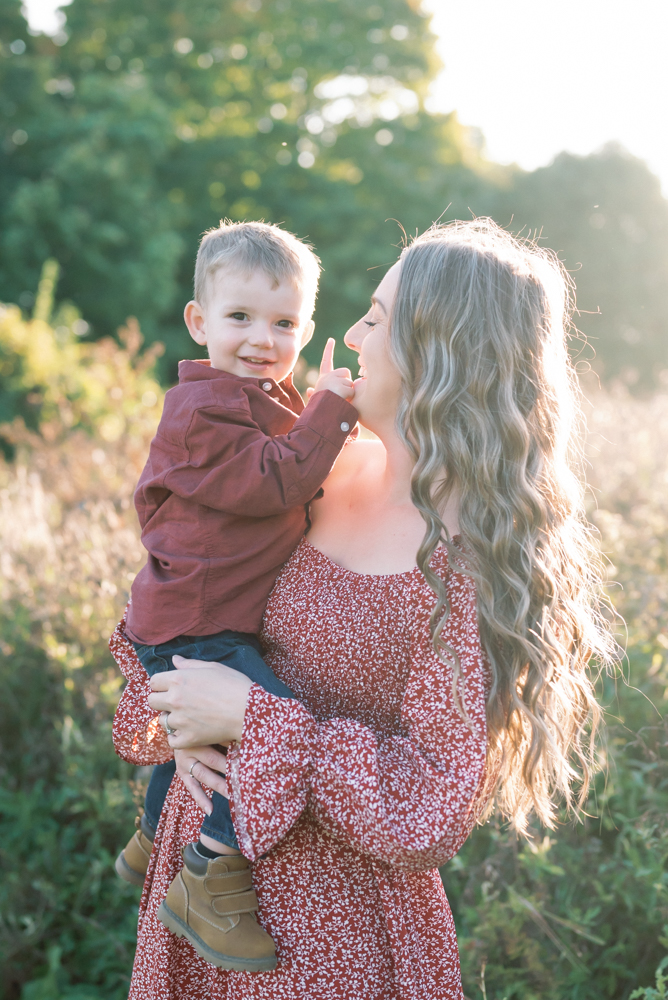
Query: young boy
(222, 504)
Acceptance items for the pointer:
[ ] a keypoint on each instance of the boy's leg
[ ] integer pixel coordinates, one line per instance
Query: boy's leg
(192, 909)
(156, 793)
(242, 652)
(132, 863)
(155, 660)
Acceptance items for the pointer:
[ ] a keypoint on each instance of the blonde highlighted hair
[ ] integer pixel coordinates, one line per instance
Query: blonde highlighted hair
(252, 246)
(491, 411)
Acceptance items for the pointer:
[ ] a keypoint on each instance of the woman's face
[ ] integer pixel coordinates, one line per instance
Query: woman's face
(378, 389)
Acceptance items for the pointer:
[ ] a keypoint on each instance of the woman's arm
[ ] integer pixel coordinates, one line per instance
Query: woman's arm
(138, 737)
(409, 800)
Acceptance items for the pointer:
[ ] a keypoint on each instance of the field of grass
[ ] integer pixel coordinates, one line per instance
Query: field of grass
(575, 914)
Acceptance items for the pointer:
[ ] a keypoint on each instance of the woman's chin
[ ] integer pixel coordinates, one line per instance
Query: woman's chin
(358, 386)
(358, 401)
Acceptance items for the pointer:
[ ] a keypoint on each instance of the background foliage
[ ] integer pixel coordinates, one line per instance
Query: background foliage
(123, 138)
(572, 915)
(134, 130)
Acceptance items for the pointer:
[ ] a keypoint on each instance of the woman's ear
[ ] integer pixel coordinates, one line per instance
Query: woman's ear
(307, 333)
(193, 314)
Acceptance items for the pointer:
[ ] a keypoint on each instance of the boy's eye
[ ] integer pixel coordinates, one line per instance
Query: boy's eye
(286, 324)
(239, 315)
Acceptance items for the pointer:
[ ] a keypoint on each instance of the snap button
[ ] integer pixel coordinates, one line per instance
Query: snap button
(345, 426)
(267, 386)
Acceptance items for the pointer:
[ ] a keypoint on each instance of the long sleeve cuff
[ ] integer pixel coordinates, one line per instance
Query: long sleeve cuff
(269, 788)
(137, 734)
(383, 797)
(330, 416)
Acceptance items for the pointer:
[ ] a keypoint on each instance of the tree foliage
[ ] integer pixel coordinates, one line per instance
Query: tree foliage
(133, 131)
(606, 217)
(143, 129)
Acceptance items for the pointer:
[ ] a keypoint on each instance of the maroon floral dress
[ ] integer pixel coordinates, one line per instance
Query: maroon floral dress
(346, 800)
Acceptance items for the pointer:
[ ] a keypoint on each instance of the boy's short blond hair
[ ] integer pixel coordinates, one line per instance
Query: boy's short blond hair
(247, 246)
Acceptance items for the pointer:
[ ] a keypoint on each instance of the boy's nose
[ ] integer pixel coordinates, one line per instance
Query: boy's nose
(260, 335)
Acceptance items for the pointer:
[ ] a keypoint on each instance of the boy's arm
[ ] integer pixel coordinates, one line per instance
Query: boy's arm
(235, 467)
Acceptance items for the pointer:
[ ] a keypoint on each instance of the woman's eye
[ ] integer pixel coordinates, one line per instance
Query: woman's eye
(370, 323)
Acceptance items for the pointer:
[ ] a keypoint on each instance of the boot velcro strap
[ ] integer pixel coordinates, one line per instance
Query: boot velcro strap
(242, 902)
(227, 884)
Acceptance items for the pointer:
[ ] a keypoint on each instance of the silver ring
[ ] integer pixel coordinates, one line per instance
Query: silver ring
(190, 770)
(168, 729)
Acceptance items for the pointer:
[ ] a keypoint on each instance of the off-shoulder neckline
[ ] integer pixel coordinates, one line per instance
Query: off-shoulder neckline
(370, 576)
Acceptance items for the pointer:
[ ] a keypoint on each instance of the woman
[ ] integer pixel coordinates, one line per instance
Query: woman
(427, 692)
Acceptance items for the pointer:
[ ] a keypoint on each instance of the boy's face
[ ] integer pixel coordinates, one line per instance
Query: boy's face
(250, 327)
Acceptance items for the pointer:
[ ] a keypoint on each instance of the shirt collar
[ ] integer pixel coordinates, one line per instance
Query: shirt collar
(194, 370)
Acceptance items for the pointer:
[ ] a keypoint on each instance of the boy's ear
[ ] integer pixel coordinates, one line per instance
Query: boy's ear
(308, 332)
(194, 317)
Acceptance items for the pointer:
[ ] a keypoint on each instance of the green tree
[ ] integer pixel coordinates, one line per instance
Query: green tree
(147, 128)
(79, 168)
(606, 217)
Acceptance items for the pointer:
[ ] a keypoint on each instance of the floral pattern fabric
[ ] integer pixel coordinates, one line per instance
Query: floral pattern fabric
(346, 800)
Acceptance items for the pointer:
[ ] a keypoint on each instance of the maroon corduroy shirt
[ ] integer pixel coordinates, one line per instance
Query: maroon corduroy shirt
(221, 500)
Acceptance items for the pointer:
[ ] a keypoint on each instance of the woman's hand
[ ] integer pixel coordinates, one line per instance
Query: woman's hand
(200, 766)
(205, 702)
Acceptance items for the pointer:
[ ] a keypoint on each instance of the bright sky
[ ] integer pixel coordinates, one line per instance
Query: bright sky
(42, 15)
(540, 76)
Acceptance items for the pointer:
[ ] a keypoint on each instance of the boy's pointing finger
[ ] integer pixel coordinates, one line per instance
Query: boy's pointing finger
(327, 363)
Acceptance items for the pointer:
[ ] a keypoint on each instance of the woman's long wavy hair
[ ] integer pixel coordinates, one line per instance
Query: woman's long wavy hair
(491, 410)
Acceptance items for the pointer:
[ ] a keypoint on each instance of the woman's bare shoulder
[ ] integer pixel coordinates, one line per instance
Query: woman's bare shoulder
(346, 485)
(356, 457)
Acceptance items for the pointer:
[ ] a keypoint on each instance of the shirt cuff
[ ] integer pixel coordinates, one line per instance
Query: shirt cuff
(330, 416)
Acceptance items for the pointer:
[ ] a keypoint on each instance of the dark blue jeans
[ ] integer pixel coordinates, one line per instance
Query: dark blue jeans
(238, 650)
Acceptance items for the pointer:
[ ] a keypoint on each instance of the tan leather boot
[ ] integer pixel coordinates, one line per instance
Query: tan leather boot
(132, 863)
(211, 903)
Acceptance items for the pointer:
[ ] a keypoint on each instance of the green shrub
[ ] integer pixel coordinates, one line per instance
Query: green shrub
(70, 548)
(56, 383)
(660, 990)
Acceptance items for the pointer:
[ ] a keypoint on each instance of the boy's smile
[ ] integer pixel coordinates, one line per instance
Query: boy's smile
(251, 326)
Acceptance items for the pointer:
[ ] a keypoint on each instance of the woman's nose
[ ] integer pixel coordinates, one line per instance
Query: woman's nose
(355, 335)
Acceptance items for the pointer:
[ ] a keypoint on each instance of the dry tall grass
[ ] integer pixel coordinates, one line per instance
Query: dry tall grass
(628, 454)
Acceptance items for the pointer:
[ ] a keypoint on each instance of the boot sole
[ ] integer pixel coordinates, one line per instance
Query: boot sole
(182, 930)
(128, 874)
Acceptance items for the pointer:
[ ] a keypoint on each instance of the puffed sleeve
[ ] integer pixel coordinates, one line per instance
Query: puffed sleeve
(408, 800)
(137, 734)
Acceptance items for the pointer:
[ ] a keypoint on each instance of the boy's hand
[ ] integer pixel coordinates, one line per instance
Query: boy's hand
(338, 380)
